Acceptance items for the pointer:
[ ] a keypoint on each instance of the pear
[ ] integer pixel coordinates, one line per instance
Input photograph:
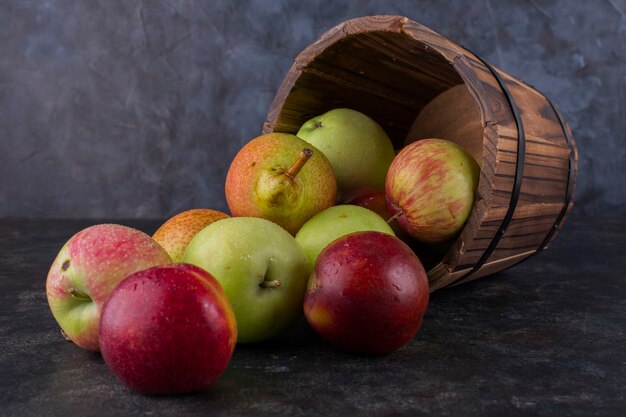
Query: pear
(356, 146)
(176, 233)
(281, 178)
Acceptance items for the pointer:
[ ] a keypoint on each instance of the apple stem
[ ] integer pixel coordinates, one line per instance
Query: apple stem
(304, 156)
(65, 336)
(270, 284)
(79, 295)
(394, 217)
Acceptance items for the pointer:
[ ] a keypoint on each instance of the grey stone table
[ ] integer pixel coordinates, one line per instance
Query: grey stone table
(547, 337)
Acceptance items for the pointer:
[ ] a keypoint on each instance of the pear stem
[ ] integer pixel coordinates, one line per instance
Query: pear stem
(273, 284)
(304, 156)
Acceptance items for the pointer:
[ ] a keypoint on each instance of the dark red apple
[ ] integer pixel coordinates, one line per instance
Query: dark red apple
(368, 293)
(373, 199)
(376, 200)
(168, 330)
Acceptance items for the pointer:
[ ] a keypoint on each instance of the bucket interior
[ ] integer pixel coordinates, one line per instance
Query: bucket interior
(388, 76)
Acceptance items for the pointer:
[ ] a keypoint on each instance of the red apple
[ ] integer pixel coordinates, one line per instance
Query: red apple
(430, 188)
(368, 293)
(87, 269)
(168, 330)
(370, 198)
(375, 199)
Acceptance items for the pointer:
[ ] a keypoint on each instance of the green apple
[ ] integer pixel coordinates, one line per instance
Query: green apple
(260, 267)
(335, 222)
(358, 149)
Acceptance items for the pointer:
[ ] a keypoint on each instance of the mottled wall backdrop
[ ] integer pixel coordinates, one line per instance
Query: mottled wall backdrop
(126, 108)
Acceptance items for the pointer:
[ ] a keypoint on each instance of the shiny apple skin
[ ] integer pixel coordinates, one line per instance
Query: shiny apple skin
(367, 294)
(168, 330)
(376, 200)
(372, 199)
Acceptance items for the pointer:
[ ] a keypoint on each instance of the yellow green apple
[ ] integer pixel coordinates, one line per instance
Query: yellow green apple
(261, 268)
(358, 149)
(335, 222)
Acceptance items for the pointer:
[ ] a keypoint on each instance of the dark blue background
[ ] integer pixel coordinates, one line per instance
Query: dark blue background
(123, 108)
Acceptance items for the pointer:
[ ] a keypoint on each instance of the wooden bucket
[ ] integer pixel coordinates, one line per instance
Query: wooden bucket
(391, 68)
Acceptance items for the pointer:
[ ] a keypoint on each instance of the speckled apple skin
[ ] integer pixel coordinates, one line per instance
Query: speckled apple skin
(316, 184)
(168, 330)
(368, 293)
(431, 186)
(94, 261)
(176, 233)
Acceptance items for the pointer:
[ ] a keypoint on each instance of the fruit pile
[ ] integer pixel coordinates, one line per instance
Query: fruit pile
(167, 311)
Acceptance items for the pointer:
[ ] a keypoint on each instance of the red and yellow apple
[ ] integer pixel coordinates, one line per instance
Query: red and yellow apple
(368, 293)
(168, 330)
(176, 233)
(430, 189)
(87, 269)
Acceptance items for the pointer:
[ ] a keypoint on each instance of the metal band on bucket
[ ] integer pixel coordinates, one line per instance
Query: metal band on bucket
(519, 174)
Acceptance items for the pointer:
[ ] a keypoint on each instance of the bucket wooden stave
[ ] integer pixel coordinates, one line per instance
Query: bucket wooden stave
(391, 68)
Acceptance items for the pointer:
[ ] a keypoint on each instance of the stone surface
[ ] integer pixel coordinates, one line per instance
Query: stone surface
(545, 338)
(135, 108)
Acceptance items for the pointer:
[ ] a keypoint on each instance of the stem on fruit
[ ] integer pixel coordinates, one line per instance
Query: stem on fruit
(270, 284)
(79, 295)
(394, 217)
(65, 336)
(304, 156)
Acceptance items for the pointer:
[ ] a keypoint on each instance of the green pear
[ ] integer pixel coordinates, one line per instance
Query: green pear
(335, 222)
(358, 149)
